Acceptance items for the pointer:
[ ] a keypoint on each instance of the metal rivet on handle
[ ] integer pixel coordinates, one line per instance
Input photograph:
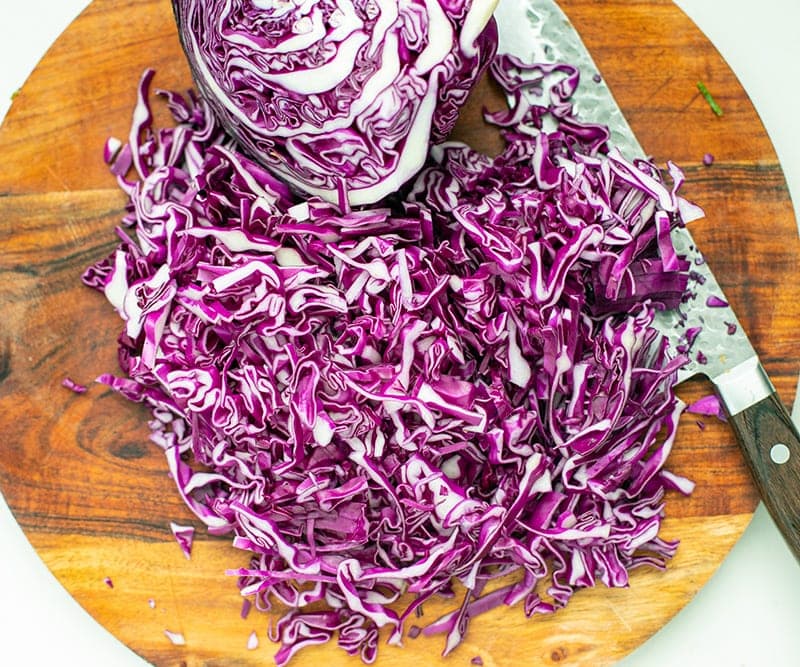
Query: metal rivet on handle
(779, 453)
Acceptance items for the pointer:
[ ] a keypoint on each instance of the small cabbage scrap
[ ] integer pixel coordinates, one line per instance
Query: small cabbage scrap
(340, 98)
(457, 393)
(184, 536)
(176, 638)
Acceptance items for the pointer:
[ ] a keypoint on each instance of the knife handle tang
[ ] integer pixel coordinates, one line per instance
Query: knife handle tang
(771, 446)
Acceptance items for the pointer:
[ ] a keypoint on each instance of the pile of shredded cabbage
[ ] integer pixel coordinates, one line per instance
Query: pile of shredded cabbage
(415, 399)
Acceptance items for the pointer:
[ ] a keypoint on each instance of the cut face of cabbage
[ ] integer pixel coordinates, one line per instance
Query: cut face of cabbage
(340, 98)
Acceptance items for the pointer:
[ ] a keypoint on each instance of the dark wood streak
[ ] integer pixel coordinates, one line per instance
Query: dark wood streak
(23, 270)
(5, 359)
(80, 259)
(149, 531)
(129, 451)
(49, 355)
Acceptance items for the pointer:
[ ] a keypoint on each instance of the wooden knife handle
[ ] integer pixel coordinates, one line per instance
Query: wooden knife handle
(771, 446)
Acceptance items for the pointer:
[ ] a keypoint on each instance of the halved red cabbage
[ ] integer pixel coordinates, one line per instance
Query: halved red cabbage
(340, 98)
(457, 394)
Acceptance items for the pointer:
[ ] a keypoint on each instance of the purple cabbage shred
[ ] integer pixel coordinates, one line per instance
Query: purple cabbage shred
(70, 384)
(715, 301)
(184, 536)
(709, 406)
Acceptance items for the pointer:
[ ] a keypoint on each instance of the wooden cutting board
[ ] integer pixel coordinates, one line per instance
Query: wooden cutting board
(93, 496)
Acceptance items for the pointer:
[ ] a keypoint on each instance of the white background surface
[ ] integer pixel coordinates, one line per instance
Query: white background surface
(749, 614)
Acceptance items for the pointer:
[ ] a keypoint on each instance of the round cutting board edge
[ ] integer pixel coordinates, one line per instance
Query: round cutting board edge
(59, 211)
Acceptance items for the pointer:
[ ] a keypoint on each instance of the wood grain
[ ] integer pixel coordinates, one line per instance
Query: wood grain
(94, 497)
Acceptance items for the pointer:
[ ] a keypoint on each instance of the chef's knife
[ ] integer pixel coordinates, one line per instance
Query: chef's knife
(768, 438)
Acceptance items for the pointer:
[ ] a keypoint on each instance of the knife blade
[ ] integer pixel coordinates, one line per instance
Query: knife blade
(721, 350)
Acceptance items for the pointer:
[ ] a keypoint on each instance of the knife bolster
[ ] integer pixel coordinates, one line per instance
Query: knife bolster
(743, 385)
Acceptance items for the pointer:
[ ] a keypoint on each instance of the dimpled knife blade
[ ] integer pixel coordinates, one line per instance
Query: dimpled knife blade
(537, 31)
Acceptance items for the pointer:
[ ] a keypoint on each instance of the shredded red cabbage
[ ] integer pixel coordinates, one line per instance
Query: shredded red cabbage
(416, 398)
